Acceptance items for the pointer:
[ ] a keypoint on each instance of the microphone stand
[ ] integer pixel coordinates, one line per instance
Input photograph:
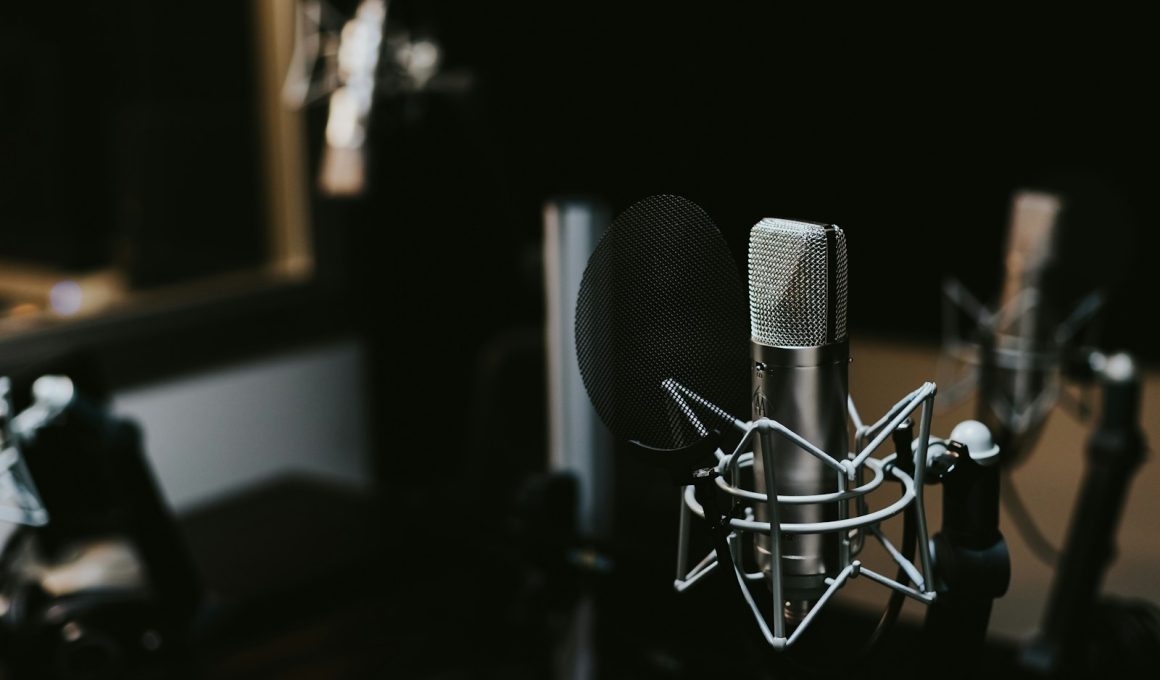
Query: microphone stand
(1115, 451)
(972, 565)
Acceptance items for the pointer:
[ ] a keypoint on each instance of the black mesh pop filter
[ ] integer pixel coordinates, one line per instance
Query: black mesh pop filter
(662, 333)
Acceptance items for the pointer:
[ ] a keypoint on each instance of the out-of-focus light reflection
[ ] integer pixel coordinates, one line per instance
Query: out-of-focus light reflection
(66, 298)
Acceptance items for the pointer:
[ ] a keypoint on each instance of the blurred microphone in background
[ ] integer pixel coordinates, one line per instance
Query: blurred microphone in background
(1019, 356)
(1065, 252)
(1056, 271)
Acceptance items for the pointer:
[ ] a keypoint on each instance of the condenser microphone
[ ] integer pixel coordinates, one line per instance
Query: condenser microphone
(800, 350)
(1017, 367)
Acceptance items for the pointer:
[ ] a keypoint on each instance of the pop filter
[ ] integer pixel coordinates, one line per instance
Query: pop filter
(662, 334)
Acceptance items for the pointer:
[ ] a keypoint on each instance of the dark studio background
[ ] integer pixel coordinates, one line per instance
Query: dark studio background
(132, 141)
(914, 143)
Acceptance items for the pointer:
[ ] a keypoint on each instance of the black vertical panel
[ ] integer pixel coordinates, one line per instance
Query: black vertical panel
(129, 134)
(189, 192)
(912, 140)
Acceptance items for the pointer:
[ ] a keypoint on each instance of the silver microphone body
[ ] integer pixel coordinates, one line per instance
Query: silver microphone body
(805, 389)
(797, 283)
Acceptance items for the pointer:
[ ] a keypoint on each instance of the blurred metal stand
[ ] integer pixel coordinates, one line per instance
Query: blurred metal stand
(578, 443)
(100, 584)
(1070, 641)
(352, 62)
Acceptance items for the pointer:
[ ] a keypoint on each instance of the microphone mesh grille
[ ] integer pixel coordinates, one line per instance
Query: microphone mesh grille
(789, 284)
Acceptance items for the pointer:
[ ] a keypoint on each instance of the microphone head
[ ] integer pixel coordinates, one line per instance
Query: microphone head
(797, 283)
